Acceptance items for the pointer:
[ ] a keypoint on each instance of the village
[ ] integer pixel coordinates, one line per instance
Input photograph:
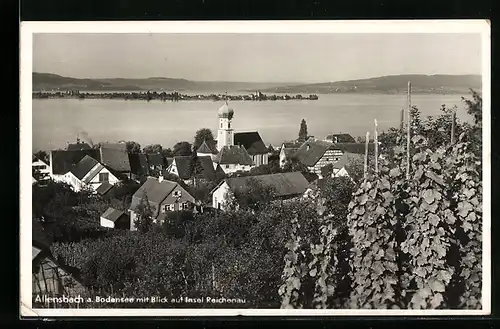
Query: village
(226, 161)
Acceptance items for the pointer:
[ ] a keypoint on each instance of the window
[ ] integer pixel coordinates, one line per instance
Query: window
(103, 177)
(215, 201)
(185, 206)
(172, 207)
(164, 208)
(229, 125)
(221, 124)
(227, 166)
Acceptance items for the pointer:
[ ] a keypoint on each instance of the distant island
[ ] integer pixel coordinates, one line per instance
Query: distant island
(164, 96)
(394, 84)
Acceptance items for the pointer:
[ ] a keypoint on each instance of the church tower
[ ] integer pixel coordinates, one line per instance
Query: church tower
(225, 135)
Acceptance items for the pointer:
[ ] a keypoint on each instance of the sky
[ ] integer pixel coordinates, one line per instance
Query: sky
(298, 58)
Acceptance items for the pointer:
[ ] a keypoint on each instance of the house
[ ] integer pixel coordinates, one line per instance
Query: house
(163, 196)
(340, 138)
(40, 169)
(156, 163)
(114, 218)
(287, 151)
(138, 165)
(254, 145)
(285, 185)
(49, 278)
(62, 161)
(233, 159)
(316, 154)
(206, 150)
(115, 157)
(182, 167)
(89, 172)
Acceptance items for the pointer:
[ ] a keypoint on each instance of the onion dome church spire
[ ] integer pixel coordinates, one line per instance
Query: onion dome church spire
(225, 135)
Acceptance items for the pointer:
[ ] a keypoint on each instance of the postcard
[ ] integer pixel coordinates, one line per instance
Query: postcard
(257, 168)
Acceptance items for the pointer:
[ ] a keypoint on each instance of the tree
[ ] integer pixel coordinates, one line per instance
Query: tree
(270, 149)
(153, 148)
(167, 153)
(475, 107)
(255, 196)
(204, 135)
(133, 147)
(42, 155)
(303, 131)
(182, 149)
(144, 212)
(327, 171)
(195, 167)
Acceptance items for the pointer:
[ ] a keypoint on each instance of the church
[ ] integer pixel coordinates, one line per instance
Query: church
(236, 151)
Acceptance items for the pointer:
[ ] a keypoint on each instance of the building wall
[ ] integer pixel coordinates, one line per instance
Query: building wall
(107, 223)
(42, 167)
(282, 157)
(232, 168)
(330, 156)
(225, 134)
(220, 196)
(260, 159)
(133, 217)
(94, 183)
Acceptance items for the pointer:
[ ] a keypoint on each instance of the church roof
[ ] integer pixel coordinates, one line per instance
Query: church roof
(205, 148)
(251, 141)
(235, 154)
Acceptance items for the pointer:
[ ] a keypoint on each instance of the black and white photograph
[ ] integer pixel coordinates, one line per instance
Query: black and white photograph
(255, 168)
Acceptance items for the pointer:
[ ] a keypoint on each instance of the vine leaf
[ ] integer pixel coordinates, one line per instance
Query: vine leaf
(434, 219)
(436, 300)
(436, 285)
(435, 178)
(395, 172)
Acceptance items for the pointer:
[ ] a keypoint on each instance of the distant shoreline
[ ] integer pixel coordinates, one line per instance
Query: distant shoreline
(163, 96)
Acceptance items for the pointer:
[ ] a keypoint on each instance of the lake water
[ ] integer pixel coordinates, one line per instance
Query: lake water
(58, 121)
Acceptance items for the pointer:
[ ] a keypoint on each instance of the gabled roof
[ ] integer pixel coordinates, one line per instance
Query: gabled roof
(311, 151)
(155, 159)
(63, 161)
(251, 141)
(156, 192)
(184, 168)
(115, 156)
(346, 159)
(358, 148)
(205, 148)
(290, 152)
(284, 184)
(341, 138)
(78, 146)
(112, 214)
(233, 155)
(104, 188)
(84, 166)
(138, 163)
